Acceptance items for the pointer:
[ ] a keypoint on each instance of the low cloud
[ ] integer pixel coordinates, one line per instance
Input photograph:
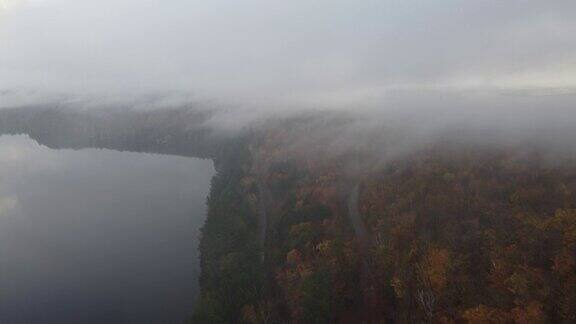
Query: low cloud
(287, 55)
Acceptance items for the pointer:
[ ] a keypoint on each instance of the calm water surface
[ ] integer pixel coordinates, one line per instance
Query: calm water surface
(96, 236)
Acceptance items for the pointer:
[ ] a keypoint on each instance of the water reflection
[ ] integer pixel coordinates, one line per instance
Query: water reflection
(96, 236)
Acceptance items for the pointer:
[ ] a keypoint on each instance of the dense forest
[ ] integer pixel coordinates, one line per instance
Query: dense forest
(450, 231)
(453, 233)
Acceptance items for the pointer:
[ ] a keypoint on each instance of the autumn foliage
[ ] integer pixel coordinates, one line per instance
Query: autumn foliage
(454, 234)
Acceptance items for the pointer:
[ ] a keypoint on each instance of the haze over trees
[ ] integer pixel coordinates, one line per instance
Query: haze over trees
(377, 161)
(458, 228)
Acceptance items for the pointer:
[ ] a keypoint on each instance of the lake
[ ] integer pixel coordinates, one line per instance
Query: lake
(97, 236)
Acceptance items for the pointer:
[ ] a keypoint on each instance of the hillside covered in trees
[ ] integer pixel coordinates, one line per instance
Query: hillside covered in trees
(450, 233)
(313, 219)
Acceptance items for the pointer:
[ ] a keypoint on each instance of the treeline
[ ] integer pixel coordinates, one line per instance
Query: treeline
(456, 234)
(175, 131)
(232, 267)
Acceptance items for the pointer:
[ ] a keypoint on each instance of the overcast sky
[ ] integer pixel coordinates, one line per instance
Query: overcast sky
(304, 52)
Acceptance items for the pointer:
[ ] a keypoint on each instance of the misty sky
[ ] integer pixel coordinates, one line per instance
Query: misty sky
(311, 53)
(95, 236)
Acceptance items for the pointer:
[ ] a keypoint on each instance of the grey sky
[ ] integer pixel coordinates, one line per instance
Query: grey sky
(329, 53)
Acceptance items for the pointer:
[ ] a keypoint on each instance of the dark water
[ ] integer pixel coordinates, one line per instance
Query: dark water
(96, 236)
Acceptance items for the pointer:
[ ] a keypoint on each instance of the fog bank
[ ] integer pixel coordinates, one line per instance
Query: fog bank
(280, 55)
